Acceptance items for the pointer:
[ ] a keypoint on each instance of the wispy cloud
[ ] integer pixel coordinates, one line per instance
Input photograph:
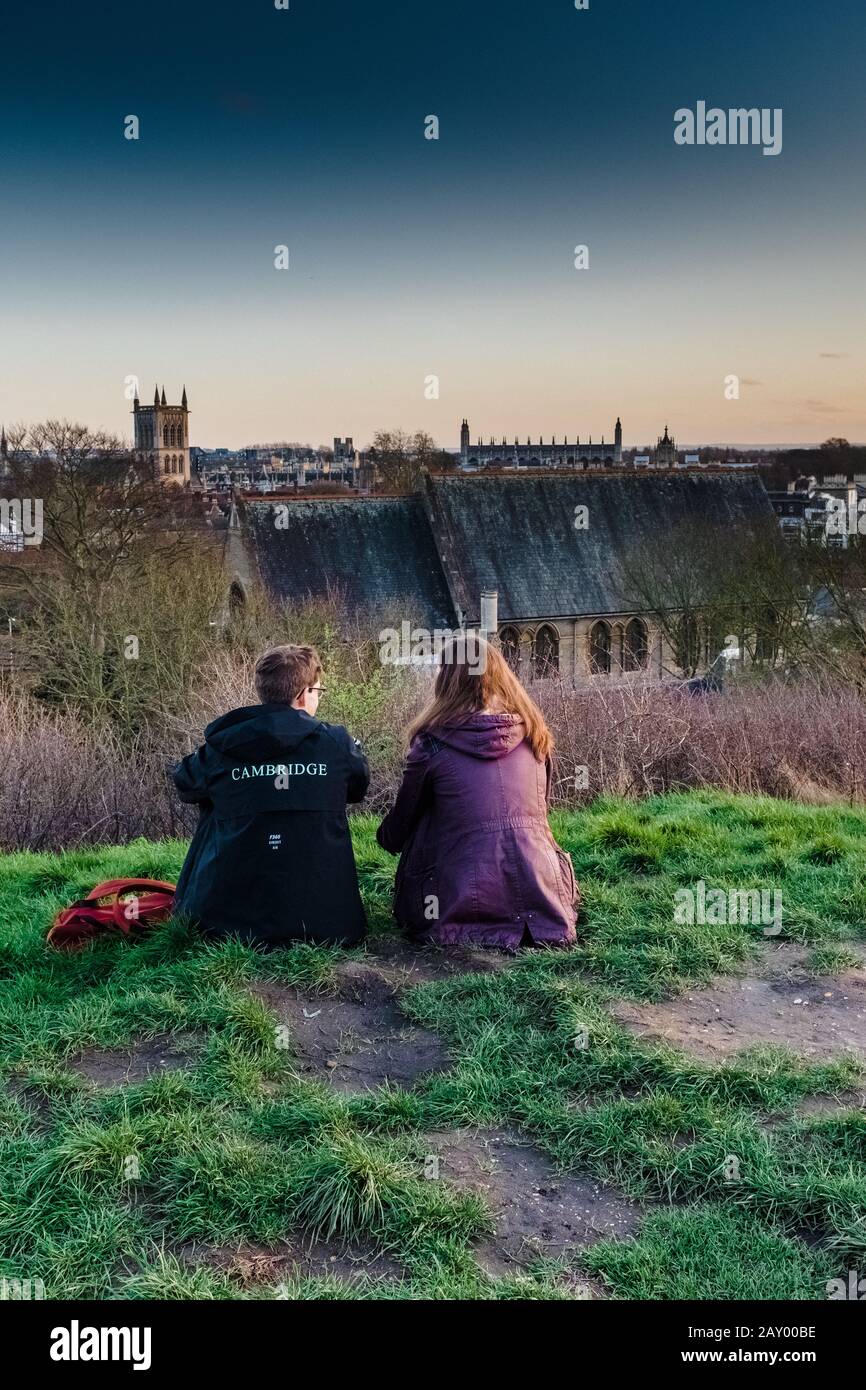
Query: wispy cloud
(824, 408)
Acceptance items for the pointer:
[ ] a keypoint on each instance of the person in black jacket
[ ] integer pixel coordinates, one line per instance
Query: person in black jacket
(271, 860)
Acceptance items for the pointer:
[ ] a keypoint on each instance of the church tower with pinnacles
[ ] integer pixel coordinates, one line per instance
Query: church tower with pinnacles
(666, 451)
(162, 435)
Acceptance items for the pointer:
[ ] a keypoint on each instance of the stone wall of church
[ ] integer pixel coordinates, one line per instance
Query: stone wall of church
(571, 638)
(541, 455)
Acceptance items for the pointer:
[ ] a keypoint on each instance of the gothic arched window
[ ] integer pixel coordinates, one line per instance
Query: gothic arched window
(636, 648)
(509, 645)
(599, 649)
(545, 651)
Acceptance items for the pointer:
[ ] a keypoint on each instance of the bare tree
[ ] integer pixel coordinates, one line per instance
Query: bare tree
(678, 577)
(402, 458)
(106, 515)
(797, 606)
(703, 583)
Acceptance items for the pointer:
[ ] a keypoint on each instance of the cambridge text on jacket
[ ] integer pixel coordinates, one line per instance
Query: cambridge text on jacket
(271, 860)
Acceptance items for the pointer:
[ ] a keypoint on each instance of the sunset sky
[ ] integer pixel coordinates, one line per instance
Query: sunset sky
(411, 257)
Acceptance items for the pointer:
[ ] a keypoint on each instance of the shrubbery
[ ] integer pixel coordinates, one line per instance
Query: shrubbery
(80, 769)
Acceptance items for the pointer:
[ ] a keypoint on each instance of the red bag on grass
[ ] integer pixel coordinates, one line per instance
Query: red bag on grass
(128, 905)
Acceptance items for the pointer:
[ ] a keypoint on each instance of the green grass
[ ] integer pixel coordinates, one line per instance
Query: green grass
(100, 1188)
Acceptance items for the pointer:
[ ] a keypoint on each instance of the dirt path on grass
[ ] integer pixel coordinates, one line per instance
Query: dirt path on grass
(537, 1211)
(250, 1264)
(125, 1066)
(356, 1037)
(780, 1003)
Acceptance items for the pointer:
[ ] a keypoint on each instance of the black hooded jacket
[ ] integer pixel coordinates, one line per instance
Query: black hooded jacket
(271, 860)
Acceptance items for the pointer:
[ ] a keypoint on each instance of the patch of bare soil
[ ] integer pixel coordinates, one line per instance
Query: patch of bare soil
(35, 1102)
(251, 1264)
(357, 1037)
(791, 960)
(818, 1108)
(781, 1003)
(123, 1066)
(536, 1210)
(407, 964)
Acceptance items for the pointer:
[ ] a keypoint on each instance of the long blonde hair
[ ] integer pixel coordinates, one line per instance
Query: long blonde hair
(464, 686)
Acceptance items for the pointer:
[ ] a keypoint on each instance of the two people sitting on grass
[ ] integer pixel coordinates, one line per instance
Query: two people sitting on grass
(271, 861)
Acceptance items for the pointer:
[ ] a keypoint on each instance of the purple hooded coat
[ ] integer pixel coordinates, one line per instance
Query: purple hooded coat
(478, 861)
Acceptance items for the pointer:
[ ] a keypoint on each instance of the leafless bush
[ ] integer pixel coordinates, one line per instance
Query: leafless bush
(69, 783)
(66, 783)
(803, 741)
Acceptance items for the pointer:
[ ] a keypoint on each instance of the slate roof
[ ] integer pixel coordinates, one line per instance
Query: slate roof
(376, 551)
(515, 533)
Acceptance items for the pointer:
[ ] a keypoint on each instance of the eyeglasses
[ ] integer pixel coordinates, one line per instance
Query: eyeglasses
(319, 689)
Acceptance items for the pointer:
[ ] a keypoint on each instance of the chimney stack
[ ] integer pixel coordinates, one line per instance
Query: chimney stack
(489, 613)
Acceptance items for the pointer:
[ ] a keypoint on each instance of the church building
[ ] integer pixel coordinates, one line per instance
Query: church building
(666, 451)
(162, 436)
(564, 596)
(541, 455)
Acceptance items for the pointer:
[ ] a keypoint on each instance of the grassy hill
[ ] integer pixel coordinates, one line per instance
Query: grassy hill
(159, 1138)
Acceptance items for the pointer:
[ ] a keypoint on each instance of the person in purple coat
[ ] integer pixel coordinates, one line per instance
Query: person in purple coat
(478, 861)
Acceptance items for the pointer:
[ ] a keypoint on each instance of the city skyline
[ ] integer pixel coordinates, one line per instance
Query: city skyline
(453, 258)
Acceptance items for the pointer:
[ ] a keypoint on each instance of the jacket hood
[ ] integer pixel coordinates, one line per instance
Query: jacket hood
(260, 730)
(483, 735)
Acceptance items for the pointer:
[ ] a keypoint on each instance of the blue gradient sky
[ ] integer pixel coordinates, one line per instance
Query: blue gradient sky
(411, 257)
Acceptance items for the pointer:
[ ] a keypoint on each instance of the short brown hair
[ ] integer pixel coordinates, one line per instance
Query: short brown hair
(282, 673)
